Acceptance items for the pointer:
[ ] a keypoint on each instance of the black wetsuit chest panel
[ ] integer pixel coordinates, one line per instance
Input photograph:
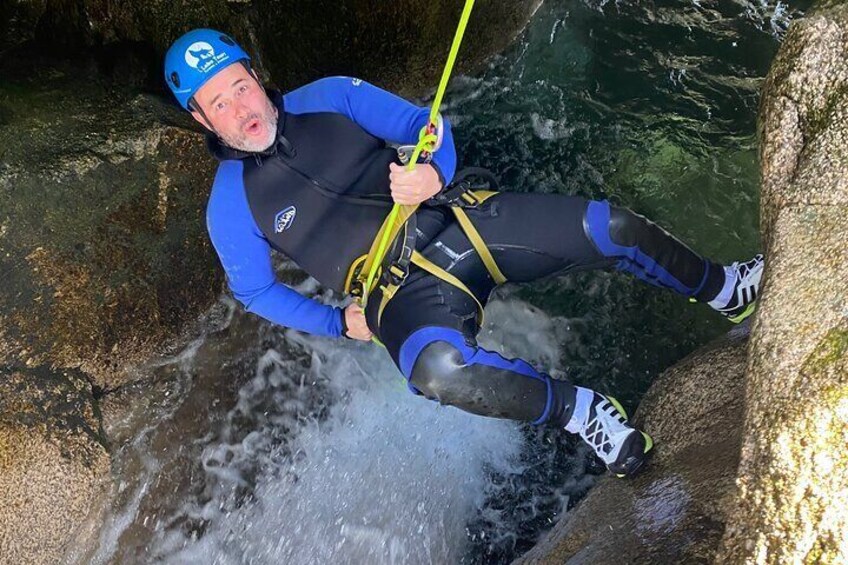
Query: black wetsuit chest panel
(322, 205)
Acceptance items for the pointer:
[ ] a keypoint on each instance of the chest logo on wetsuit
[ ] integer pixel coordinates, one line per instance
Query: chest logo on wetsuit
(284, 219)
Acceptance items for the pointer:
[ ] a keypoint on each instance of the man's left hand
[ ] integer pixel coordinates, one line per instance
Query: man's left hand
(415, 186)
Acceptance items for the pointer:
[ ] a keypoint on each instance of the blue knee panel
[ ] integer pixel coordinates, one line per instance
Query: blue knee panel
(631, 259)
(415, 344)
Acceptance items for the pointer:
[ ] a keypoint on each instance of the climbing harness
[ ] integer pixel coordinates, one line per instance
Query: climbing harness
(460, 195)
(366, 272)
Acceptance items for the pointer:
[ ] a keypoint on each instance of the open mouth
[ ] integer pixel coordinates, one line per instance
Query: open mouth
(253, 127)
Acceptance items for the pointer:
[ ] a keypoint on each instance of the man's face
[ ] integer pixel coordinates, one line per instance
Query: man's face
(238, 109)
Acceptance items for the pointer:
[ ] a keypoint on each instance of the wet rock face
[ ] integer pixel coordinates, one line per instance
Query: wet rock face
(53, 462)
(18, 21)
(674, 512)
(804, 117)
(793, 475)
(102, 237)
(104, 255)
(401, 44)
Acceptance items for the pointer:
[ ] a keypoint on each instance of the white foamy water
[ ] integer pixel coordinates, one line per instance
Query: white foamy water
(325, 456)
(385, 478)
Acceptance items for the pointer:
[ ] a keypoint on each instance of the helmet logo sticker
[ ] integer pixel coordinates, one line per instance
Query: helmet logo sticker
(284, 219)
(201, 56)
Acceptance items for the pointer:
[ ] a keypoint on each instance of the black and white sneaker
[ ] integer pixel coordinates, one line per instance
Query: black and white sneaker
(623, 448)
(739, 301)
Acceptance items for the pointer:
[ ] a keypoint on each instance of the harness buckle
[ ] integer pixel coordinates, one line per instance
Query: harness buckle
(397, 273)
(469, 198)
(355, 283)
(356, 288)
(460, 192)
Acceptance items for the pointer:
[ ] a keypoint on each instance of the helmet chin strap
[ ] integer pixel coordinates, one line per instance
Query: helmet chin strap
(196, 107)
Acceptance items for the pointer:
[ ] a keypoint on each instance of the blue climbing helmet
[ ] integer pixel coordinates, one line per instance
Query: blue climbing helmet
(196, 57)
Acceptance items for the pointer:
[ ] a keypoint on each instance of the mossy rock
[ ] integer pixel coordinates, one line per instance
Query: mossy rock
(803, 123)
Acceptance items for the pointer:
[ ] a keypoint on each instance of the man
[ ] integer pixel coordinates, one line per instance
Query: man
(309, 173)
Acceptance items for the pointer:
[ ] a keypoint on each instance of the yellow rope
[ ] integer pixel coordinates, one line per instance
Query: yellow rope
(426, 140)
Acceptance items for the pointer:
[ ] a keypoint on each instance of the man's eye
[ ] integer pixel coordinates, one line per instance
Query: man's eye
(242, 88)
(220, 105)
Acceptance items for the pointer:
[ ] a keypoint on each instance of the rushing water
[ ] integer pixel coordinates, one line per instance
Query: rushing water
(261, 445)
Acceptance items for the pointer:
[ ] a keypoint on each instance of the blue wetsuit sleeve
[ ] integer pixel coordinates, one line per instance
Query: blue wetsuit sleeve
(380, 113)
(246, 257)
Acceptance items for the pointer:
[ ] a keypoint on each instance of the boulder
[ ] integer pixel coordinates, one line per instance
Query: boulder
(103, 245)
(793, 476)
(755, 468)
(54, 466)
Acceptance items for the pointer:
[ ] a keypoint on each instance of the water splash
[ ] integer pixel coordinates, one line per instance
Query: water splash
(325, 455)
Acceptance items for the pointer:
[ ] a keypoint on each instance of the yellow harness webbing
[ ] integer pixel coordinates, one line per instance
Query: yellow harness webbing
(479, 245)
(389, 290)
(424, 263)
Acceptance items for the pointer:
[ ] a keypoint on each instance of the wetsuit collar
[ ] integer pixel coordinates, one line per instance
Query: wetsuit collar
(223, 152)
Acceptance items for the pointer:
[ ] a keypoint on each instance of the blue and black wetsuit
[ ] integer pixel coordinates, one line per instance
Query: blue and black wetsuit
(320, 194)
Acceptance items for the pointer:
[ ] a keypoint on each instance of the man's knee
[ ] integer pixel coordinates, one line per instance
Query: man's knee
(629, 229)
(492, 388)
(441, 373)
(615, 230)
(437, 372)
(644, 249)
(442, 366)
